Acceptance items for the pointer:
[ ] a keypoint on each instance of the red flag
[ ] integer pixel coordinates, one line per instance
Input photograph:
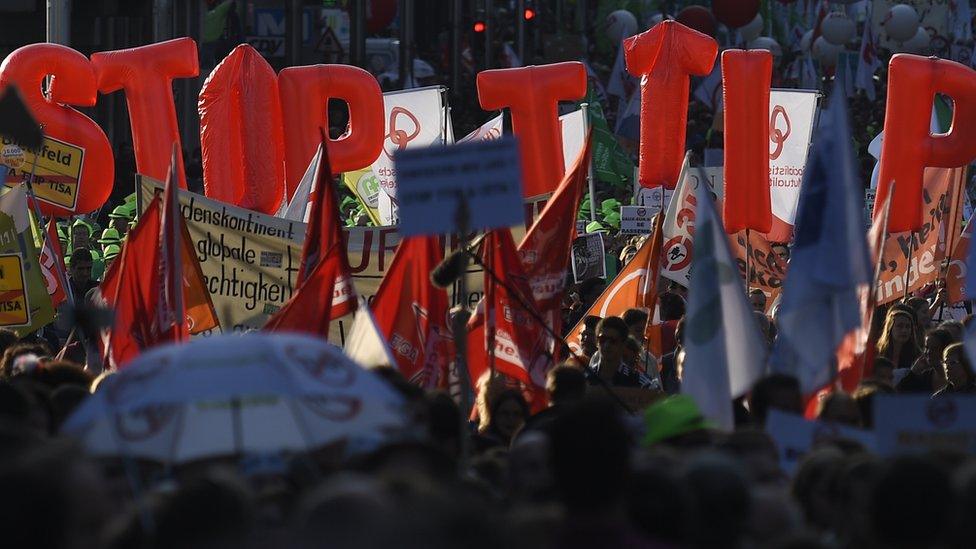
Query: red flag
(413, 314)
(323, 234)
(311, 307)
(545, 249)
(514, 339)
(52, 266)
(170, 309)
(130, 290)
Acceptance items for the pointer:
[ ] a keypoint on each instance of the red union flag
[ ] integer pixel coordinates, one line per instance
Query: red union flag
(52, 272)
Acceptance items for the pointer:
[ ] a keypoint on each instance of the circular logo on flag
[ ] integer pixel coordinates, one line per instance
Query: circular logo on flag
(677, 253)
(942, 413)
(778, 136)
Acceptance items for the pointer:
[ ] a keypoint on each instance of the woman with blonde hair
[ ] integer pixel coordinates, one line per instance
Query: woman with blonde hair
(899, 340)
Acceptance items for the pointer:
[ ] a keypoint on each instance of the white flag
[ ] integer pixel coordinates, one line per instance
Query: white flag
(679, 221)
(724, 354)
(413, 118)
(365, 343)
(300, 205)
(491, 129)
(573, 128)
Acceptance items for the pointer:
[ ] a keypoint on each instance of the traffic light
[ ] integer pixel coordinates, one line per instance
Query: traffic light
(479, 26)
(529, 14)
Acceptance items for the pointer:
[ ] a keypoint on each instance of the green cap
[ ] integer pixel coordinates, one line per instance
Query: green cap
(82, 223)
(120, 212)
(594, 226)
(610, 205)
(112, 251)
(612, 219)
(110, 236)
(671, 417)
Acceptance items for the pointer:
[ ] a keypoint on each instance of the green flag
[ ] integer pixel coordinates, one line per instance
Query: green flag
(611, 165)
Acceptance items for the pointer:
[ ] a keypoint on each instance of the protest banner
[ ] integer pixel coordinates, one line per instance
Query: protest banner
(16, 239)
(13, 292)
(766, 270)
(244, 252)
(927, 246)
(679, 222)
(933, 17)
(366, 186)
(791, 117)
(414, 119)
(486, 174)
(637, 219)
(795, 437)
(919, 423)
(59, 166)
(589, 257)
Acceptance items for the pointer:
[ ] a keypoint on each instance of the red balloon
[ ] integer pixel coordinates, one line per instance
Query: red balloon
(698, 18)
(746, 76)
(84, 146)
(146, 74)
(532, 94)
(735, 13)
(241, 133)
(305, 93)
(666, 56)
(908, 145)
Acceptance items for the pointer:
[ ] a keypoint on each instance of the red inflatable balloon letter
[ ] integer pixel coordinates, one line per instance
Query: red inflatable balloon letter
(666, 56)
(305, 94)
(146, 74)
(908, 145)
(746, 77)
(532, 94)
(76, 170)
(241, 135)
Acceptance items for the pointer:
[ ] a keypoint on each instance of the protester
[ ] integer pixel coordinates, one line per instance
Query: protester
(958, 372)
(898, 342)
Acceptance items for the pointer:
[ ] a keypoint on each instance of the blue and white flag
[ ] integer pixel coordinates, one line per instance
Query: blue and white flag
(724, 353)
(829, 261)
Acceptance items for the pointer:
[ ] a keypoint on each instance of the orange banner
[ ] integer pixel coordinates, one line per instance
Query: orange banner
(767, 271)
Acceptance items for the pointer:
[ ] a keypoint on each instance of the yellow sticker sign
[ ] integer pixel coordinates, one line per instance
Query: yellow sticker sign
(56, 175)
(13, 294)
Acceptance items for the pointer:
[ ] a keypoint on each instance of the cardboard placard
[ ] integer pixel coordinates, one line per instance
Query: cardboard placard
(589, 258)
(795, 437)
(636, 219)
(919, 423)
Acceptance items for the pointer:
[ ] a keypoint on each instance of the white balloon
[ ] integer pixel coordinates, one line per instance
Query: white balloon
(752, 29)
(806, 41)
(901, 23)
(768, 44)
(621, 24)
(837, 28)
(918, 43)
(825, 52)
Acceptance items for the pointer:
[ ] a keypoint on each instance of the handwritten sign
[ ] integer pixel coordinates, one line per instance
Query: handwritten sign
(636, 219)
(433, 180)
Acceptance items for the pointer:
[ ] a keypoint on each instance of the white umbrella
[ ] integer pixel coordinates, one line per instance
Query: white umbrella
(223, 395)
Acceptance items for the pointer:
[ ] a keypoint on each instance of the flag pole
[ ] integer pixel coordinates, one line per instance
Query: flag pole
(908, 267)
(460, 332)
(748, 263)
(585, 107)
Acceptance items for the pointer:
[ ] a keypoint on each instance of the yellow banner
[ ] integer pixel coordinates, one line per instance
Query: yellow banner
(13, 292)
(56, 175)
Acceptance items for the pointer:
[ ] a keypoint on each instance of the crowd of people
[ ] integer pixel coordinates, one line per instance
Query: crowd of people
(586, 471)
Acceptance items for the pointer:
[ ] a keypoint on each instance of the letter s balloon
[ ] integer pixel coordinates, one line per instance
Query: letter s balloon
(908, 145)
(76, 170)
(146, 74)
(241, 135)
(305, 94)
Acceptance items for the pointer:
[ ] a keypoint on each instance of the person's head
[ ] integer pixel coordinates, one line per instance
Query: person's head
(782, 251)
(81, 266)
(955, 328)
(936, 340)
(565, 384)
(611, 337)
(884, 371)
(636, 320)
(587, 337)
(958, 370)
(921, 308)
(590, 454)
(672, 306)
(775, 392)
(898, 331)
(507, 413)
(80, 235)
(757, 298)
(839, 407)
